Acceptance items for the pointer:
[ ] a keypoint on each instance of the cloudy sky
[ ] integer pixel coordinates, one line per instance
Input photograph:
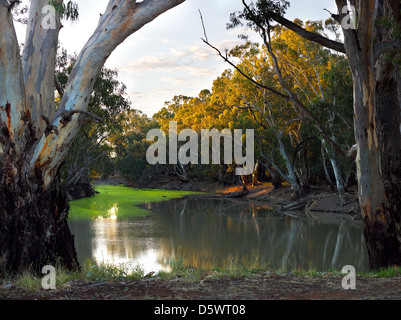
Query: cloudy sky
(167, 57)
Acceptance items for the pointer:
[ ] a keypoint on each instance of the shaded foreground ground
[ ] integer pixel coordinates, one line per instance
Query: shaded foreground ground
(263, 286)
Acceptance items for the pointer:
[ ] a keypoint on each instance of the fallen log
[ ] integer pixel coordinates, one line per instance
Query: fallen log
(238, 194)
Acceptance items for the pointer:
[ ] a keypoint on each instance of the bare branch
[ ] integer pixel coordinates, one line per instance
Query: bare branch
(353, 151)
(203, 25)
(270, 161)
(225, 58)
(265, 34)
(288, 123)
(336, 17)
(249, 108)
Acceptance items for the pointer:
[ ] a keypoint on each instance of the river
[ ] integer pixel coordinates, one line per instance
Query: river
(208, 233)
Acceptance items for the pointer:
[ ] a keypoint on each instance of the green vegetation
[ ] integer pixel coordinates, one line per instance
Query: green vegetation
(288, 145)
(119, 202)
(99, 273)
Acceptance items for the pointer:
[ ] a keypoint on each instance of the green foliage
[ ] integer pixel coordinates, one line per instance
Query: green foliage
(67, 11)
(130, 144)
(286, 141)
(111, 272)
(257, 14)
(91, 152)
(118, 202)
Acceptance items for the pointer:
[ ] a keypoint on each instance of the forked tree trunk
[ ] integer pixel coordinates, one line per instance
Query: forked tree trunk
(34, 139)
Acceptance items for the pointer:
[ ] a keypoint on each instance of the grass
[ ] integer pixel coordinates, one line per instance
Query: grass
(119, 201)
(394, 271)
(91, 272)
(31, 282)
(100, 273)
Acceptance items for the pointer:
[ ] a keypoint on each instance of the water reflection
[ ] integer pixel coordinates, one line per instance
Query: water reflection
(221, 233)
(112, 212)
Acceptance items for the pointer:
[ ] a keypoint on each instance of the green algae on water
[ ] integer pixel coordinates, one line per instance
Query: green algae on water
(119, 202)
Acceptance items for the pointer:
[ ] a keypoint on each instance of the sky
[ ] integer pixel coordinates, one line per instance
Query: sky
(167, 56)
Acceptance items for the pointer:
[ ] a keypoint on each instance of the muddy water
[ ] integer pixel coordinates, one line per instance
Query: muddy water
(223, 234)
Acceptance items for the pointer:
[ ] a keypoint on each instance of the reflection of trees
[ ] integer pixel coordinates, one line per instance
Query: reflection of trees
(117, 241)
(220, 233)
(217, 233)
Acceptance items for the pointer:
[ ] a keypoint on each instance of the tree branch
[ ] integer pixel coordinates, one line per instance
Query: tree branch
(121, 19)
(66, 116)
(271, 162)
(39, 61)
(265, 34)
(386, 47)
(49, 127)
(225, 58)
(12, 88)
(311, 36)
(249, 108)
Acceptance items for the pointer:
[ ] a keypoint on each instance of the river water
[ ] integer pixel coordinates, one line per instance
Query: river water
(220, 233)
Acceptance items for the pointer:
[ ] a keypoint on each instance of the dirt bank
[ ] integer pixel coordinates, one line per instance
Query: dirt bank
(318, 201)
(263, 286)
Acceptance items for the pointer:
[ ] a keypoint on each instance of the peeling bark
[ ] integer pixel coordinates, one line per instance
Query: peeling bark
(39, 58)
(377, 119)
(12, 89)
(377, 122)
(120, 20)
(34, 139)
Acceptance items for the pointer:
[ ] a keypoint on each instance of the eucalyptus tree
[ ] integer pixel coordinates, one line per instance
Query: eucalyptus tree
(34, 136)
(372, 32)
(92, 147)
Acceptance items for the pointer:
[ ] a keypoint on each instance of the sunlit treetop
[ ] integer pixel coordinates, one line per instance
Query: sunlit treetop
(257, 14)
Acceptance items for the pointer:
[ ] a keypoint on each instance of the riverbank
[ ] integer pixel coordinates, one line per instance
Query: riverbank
(194, 284)
(211, 285)
(317, 202)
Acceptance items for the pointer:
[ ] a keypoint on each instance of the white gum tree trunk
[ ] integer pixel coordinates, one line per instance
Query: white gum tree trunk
(34, 138)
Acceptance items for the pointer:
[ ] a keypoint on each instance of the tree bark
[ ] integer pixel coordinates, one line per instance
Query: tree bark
(377, 132)
(377, 119)
(34, 230)
(120, 20)
(39, 59)
(34, 139)
(383, 226)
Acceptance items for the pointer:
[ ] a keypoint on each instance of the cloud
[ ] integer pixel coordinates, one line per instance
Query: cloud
(194, 53)
(194, 60)
(140, 95)
(187, 81)
(149, 63)
(177, 70)
(170, 65)
(144, 38)
(177, 81)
